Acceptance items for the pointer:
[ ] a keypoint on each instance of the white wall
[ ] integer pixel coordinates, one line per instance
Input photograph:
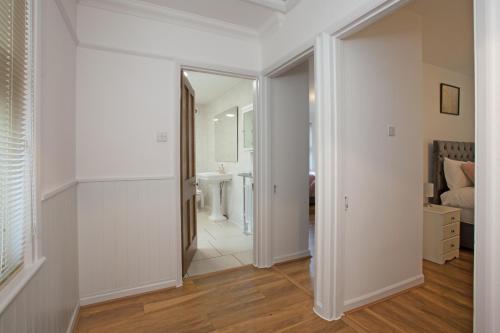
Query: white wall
(382, 175)
(134, 33)
(127, 238)
(439, 126)
(127, 221)
(47, 303)
(58, 100)
(123, 101)
(240, 95)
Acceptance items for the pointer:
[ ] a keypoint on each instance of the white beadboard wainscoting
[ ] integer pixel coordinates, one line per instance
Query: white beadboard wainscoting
(49, 301)
(127, 236)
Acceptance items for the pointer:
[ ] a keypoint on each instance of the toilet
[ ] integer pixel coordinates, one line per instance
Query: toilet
(199, 198)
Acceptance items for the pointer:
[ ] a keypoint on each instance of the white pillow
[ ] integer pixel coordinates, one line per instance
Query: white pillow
(454, 174)
(462, 198)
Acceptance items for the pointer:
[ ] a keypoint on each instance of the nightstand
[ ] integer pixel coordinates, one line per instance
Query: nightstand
(441, 233)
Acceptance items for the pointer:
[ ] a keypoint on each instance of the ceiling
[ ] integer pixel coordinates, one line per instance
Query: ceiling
(448, 33)
(251, 14)
(208, 87)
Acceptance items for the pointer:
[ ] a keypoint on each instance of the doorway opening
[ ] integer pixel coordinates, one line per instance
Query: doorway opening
(408, 107)
(217, 168)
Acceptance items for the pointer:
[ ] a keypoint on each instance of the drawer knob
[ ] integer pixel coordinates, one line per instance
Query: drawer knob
(452, 230)
(453, 218)
(452, 245)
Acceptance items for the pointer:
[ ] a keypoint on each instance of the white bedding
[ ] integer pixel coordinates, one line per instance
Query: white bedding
(467, 215)
(461, 198)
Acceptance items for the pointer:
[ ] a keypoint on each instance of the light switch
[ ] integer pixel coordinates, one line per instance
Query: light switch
(161, 137)
(391, 130)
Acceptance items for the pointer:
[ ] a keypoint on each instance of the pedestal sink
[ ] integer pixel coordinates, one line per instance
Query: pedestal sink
(214, 179)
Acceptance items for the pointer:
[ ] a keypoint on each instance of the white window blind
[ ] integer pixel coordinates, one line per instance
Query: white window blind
(15, 135)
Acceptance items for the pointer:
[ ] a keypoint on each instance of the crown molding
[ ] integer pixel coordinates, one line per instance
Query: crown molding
(276, 5)
(172, 16)
(281, 6)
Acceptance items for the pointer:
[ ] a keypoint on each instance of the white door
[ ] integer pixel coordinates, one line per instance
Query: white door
(290, 163)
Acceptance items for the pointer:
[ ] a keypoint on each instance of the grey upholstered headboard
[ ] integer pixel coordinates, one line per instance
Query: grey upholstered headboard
(455, 150)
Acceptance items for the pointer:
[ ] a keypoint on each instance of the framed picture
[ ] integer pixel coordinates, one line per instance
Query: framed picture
(450, 99)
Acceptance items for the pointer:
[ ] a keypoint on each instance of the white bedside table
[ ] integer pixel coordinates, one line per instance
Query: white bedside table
(441, 233)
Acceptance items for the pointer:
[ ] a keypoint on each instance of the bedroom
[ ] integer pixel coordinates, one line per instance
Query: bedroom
(448, 113)
(448, 105)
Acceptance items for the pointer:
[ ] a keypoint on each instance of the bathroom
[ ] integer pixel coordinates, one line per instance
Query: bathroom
(223, 130)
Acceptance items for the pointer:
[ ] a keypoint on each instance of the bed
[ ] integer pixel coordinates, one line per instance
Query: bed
(460, 151)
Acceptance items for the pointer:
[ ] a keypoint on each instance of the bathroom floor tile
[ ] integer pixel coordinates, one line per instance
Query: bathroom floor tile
(221, 245)
(246, 258)
(212, 265)
(235, 244)
(205, 251)
(204, 235)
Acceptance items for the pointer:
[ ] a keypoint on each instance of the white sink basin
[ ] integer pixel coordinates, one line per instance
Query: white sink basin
(214, 177)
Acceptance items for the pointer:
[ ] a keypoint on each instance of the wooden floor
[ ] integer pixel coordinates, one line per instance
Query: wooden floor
(280, 300)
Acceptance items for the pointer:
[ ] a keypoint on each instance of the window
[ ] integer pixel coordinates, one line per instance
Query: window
(16, 117)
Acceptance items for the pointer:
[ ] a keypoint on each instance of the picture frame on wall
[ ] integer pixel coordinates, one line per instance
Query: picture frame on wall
(450, 99)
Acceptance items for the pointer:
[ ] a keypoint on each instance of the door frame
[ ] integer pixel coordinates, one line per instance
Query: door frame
(180, 66)
(329, 237)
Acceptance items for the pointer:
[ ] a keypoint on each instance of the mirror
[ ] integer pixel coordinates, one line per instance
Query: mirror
(247, 114)
(226, 135)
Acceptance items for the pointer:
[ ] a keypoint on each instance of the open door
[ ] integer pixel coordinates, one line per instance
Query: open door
(188, 174)
(290, 162)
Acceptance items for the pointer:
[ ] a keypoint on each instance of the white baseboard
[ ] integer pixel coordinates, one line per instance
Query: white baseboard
(292, 256)
(115, 294)
(383, 293)
(74, 319)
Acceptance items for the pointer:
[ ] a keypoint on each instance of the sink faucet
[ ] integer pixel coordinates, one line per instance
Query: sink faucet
(221, 169)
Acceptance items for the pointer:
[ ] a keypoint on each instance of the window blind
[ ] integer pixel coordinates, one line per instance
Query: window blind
(15, 135)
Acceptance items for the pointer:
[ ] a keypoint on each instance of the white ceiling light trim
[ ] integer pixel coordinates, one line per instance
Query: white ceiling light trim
(172, 16)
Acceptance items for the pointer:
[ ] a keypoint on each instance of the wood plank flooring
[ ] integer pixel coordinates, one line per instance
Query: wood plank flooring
(280, 300)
